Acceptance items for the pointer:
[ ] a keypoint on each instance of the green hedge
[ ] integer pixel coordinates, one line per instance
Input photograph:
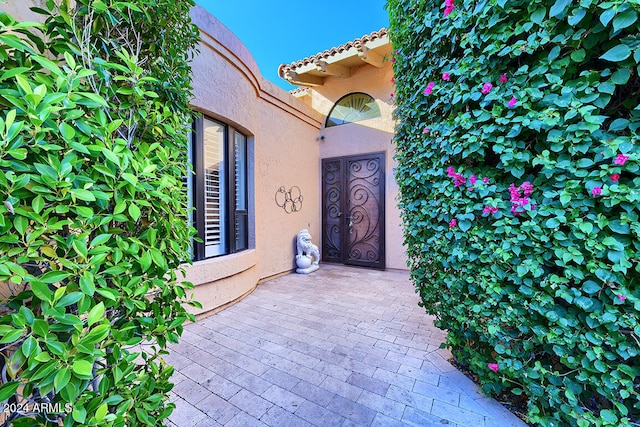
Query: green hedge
(93, 221)
(518, 167)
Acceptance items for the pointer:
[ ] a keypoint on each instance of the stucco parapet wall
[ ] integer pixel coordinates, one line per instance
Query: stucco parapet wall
(222, 267)
(216, 36)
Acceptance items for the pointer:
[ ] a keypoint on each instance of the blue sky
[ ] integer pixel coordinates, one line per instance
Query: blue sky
(282, 31)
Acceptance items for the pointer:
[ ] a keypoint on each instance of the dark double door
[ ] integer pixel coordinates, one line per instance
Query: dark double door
(353, 210)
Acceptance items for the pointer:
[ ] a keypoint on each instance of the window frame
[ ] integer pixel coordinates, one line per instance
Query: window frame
(198, 185)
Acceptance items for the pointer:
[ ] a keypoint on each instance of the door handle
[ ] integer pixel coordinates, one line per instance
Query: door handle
(350, 225)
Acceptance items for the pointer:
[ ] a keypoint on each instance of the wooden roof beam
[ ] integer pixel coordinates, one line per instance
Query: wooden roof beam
(303, 79)
(332, 69)
(370, 57)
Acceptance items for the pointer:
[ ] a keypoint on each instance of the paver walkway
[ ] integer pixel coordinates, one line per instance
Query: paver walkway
(342, 346)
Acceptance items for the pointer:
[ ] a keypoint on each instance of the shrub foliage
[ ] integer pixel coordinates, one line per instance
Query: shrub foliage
(93, 134)
(518, 166)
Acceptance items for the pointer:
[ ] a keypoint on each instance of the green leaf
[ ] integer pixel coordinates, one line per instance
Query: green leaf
(578, 15)
(615, 256)
(624, 20)
(134, 211)
(24, 84)
(618, 125)
(578, 55)
(621, 77)
(49, 65)
(98, 333)
(82, 368)
(79, 414)
(607, 414)
(100, 239)
(38, 204)
(607, 16)
(62, 378)
(54, 276)
(583, 302)
(97, 99)
(41, 290)
(40, 327)
(29, 345)
(101, 412)
(84, 211)
(539, 15)
(8, 389)
(87, 285)
(83, 194)
(464, 225)
(586, 227)
(111, 294)
(617, 53)
(552, 223)
(618, 227)
(591, 287)
(10, 335)
(67, 132)
(99, 6)
(558, 7)
(69, 299)
(96, 314)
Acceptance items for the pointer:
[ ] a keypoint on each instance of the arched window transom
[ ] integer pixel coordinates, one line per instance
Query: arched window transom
(351, 108)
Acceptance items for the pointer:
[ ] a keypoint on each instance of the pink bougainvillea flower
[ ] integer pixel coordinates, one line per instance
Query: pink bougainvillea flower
(596, 191)
(512, 102)
(473, 179)
(448, 7)
(393, 60)
(622, 297)
(527, 188)
(391, 95)
(429, 89)
(493, 366)
(459, 180)
(485, 180)
(446, 76)
(393, 79)
(426, 130)
(615, 177)
(503, 78)
(621, 159)
(490, 209)
(517, 200)
(451, 171)
(486, 88)
(453, 223)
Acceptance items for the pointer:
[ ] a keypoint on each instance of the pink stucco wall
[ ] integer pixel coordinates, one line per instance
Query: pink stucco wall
(283, 134)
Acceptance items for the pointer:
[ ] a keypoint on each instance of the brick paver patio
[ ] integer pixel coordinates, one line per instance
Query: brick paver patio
(342, 346)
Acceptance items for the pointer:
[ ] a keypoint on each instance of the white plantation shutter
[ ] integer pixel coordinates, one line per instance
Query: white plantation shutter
(215, 188)
(240, 167)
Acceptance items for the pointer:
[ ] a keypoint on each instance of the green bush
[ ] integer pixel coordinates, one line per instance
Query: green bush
(93, 134)
(517, 143)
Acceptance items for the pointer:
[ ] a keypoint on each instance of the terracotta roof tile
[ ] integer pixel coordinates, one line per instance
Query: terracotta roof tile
(336, 50)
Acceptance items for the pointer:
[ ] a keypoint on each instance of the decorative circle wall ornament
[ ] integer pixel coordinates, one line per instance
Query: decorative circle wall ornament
(290, 201)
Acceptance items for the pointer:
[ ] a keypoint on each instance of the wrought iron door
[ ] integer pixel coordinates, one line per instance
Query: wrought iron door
(353, 210)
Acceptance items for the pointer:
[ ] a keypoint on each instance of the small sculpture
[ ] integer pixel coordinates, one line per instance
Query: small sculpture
(308, 256)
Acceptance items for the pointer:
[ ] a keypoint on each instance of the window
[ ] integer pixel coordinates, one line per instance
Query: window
(219, 188)
(351, 108)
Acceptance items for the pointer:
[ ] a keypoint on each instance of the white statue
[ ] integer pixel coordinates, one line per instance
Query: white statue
(308, 256)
